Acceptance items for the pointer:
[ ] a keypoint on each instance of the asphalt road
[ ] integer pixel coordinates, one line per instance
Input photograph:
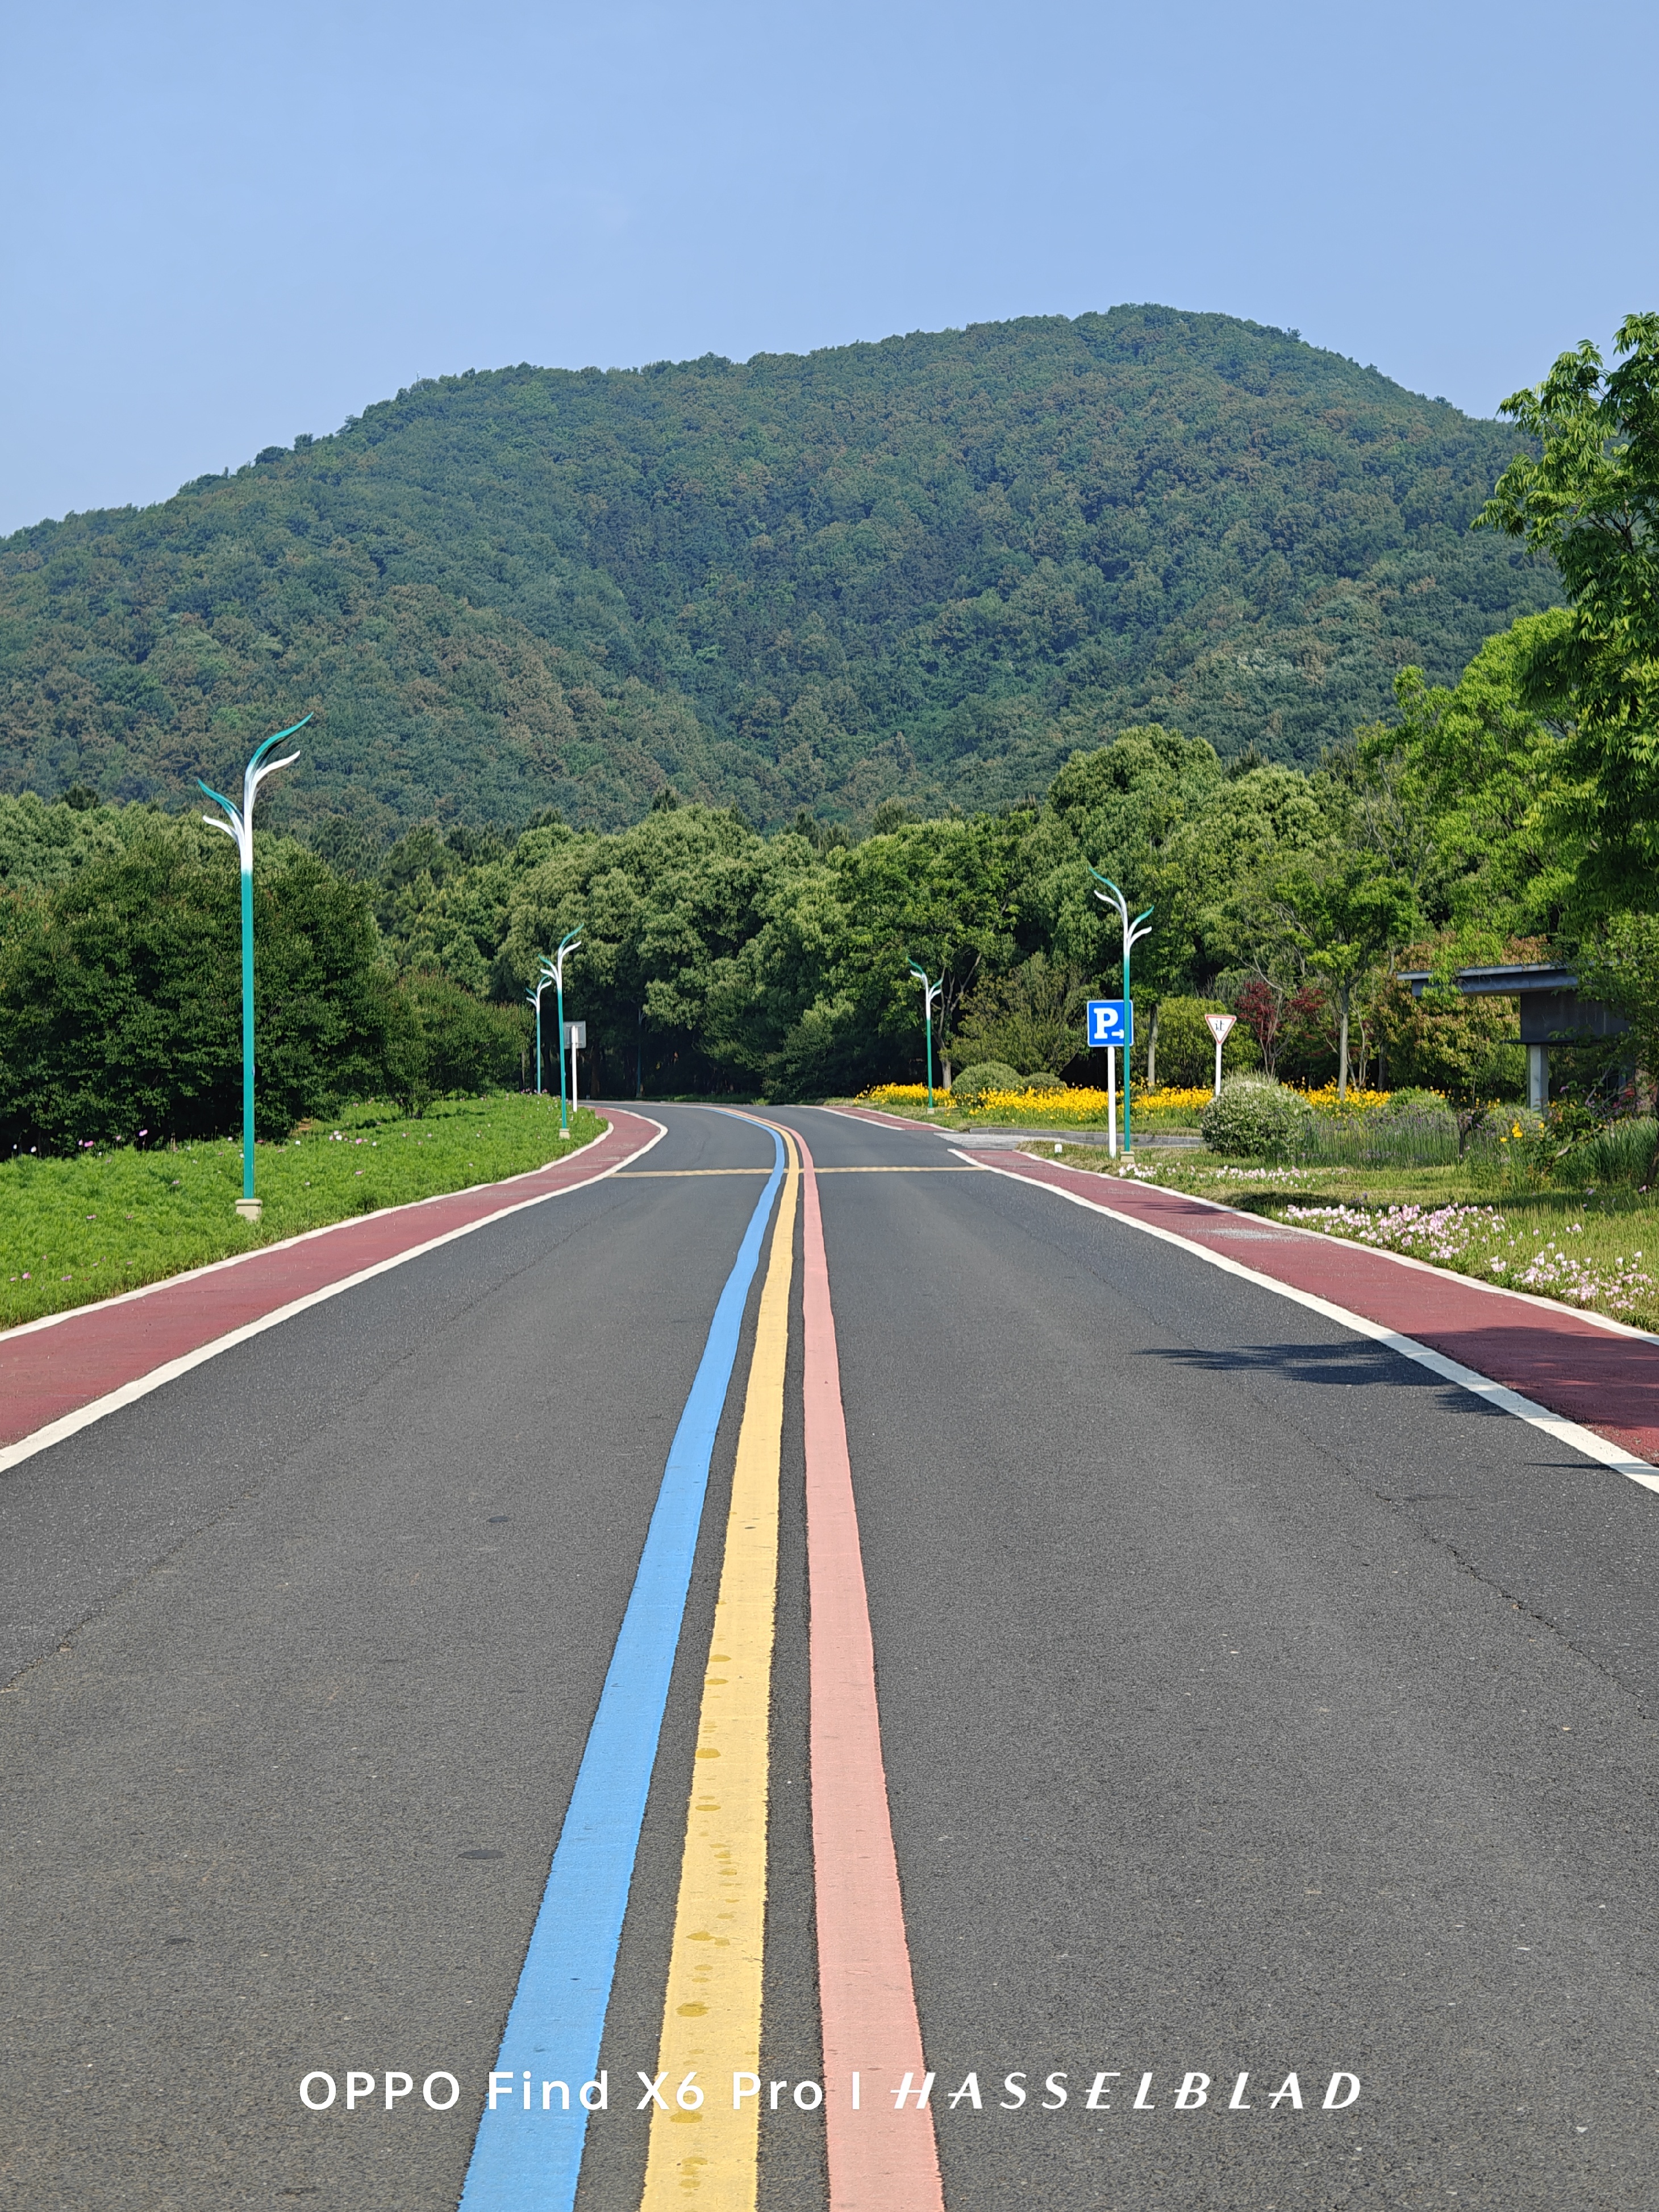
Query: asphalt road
(1251, 1702)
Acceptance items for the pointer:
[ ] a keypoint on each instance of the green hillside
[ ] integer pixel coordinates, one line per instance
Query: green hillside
(925, 569)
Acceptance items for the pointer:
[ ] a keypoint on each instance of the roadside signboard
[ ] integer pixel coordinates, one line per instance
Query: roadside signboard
(1111, 1021)
(575, 1033)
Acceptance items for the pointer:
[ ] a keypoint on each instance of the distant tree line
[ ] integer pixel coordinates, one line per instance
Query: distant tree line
(1512, 813)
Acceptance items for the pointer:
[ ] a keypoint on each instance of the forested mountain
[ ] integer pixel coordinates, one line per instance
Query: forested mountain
(927, 569)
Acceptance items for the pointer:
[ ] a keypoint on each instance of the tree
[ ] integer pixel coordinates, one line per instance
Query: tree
(941, 893)
(1621, 965)
(1590, 501)
(1480, 771)
(1332, 914)
(120, 997)
(1031, 1019)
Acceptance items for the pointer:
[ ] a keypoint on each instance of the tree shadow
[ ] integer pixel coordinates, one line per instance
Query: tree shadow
(1341, 1367)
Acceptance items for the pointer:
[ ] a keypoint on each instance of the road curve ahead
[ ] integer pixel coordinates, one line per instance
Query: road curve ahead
(813, 1675)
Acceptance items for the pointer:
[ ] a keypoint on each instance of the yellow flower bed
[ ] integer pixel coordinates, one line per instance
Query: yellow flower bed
(1149, 1102)
(1079, 1105)
(1082, 1104)
(899, 1094)
(1356, 1102)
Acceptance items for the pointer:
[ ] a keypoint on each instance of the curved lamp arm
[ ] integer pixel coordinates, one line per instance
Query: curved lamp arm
(240, 824)
(553, 969)
(1133, 931)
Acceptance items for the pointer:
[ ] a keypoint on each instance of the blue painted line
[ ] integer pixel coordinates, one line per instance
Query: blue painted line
(523, 2158)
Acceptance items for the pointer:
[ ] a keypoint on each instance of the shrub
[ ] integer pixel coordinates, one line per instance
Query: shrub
(989, 1075)
(468, 1045)
(1186, 1047)
(1031, 1018)
(1041, 1079)
(1465, 1048)
(1622, 1153)
(1252, 1115)
(1412, 1100)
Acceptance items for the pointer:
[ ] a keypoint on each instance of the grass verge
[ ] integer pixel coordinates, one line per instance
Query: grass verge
(74, 1231)
(1595, 1248)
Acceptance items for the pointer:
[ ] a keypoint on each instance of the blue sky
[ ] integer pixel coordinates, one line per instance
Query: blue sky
(222, 224)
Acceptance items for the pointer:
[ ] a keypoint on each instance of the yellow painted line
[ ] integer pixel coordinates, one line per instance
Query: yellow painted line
(708, 2155)
(669, 1174)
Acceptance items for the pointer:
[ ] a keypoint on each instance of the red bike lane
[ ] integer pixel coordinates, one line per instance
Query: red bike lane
(56, 1373)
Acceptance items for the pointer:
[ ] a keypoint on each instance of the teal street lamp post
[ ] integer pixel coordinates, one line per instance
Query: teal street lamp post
(553, 972)
(534, 999)
(238, 824)
(931, 995)
(1132, 933)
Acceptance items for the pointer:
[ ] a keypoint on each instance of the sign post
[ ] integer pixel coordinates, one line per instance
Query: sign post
(1219, 1024)
(1112, 1023)
(575, 1036)
(1132, 933)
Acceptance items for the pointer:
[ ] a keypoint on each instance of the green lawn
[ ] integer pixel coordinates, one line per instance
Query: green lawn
(73, 1231)
(1587, 1246)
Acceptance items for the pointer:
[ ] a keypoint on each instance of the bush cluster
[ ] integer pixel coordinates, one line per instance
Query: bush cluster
(967, 1086)
(1252, 1116)
(986, 1076)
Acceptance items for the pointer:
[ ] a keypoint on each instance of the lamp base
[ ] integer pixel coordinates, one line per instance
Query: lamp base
(250, 1208)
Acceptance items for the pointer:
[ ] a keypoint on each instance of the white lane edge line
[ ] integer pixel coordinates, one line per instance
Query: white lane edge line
(1498, 1394)
(68, 1424)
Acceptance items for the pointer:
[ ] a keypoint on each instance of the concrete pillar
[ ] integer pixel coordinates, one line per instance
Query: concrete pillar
(1538, 1077)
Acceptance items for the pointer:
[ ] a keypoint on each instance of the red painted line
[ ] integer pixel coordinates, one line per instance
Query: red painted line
(52, 1369)
(1600, 1376)
(880, 2160)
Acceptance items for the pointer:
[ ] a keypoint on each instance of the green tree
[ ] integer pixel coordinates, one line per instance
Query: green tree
(1031, 1019)
(1620, 964)
(941, 893)
(1332, 914)
(120, 997)
(1476, 772)
(1590, 501)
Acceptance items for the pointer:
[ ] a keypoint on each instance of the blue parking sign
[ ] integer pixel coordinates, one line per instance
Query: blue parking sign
(1111, 1021)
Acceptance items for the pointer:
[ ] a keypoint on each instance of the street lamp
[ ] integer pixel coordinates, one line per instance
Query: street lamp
(238, 825)
(931, 995)
(1132, 933)
(553, 972)
(535, 999)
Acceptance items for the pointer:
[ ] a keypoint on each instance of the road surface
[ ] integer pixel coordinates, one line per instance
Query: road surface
(1251, 1704)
